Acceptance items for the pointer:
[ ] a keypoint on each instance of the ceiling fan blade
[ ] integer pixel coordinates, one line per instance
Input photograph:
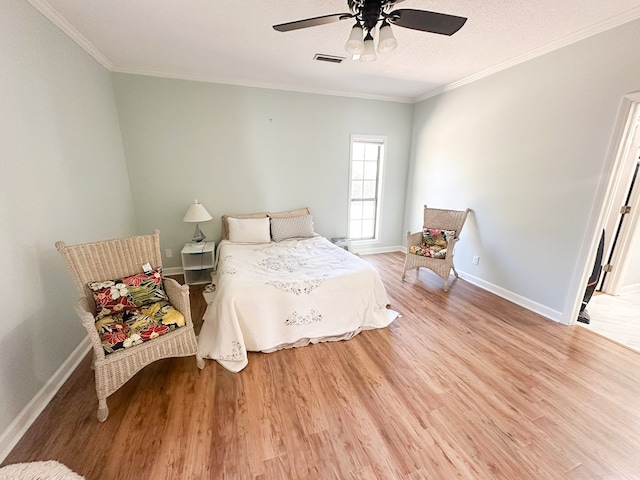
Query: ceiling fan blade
(312, 22)
(425, 21)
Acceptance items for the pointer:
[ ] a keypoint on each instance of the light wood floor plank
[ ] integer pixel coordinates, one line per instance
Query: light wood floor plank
(465, 385)
(616, 317)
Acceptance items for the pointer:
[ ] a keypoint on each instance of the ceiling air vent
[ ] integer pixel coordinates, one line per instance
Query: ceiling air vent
(321, 57)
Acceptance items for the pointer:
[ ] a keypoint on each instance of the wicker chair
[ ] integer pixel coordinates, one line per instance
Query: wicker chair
(437, 219)
(114, 259)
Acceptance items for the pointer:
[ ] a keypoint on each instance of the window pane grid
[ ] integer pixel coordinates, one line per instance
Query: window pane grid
(365, 171)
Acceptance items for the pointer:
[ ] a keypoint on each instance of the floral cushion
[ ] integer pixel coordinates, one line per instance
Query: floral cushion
(128, 293)
(131, 327)
(434, 243)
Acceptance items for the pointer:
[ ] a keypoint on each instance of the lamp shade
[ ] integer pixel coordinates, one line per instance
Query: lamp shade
(197, 213)
(386, 40)
(369, 53)
(355, 45)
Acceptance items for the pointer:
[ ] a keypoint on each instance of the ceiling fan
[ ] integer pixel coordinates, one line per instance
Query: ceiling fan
(367, 14)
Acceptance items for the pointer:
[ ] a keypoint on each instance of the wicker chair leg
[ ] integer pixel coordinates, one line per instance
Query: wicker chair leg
(455, 272)
(103, 410)
(199, 361)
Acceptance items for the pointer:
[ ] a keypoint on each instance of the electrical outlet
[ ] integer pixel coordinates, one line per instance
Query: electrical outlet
(168, 252)
(476, 259)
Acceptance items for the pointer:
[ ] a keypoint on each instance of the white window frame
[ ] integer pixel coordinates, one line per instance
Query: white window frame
(378, 139)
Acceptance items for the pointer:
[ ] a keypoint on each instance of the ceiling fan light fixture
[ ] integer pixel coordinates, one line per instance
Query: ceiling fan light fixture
(367, 14)
(386, 40)
(354, 44)
(369, 53)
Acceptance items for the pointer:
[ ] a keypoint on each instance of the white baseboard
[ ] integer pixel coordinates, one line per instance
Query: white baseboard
(630, 289)
(172, 271)
(14, 432)
(373, 250)
(536, 307)
(555, 315)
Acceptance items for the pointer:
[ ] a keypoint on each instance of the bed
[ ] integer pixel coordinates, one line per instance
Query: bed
(287, 288)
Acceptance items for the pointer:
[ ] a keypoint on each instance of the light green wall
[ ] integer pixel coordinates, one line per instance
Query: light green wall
(525, 149)
(242, 150)
(63, 177)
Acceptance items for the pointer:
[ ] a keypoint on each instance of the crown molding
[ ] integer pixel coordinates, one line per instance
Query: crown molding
(252, 84)
(59, 21)
(49, 12)
(616, 21)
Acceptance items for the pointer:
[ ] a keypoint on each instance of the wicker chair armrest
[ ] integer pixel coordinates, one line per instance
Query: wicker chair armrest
(85, 312)
(413, 239)
(450, 246)
(179, 297)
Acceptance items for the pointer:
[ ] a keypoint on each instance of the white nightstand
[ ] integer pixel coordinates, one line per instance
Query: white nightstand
(197, 262)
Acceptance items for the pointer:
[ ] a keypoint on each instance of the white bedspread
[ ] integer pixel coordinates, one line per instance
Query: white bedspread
(272, 296)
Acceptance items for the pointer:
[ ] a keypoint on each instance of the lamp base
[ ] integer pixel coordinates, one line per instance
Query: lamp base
(198, 236)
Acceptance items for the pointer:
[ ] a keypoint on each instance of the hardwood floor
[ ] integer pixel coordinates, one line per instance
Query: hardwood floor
(616, 317)
(465, 385)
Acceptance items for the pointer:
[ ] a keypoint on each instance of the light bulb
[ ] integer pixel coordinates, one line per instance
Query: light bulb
(386, 40)
(369, 53)
(354, 44)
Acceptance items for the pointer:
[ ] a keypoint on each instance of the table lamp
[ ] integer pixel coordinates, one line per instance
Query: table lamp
(196, 214)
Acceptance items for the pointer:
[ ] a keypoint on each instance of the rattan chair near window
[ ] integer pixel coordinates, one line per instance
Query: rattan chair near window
(120, 350)
(433, 247)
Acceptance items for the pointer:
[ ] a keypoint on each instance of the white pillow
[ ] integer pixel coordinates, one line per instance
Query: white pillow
(292, 227)
(249, 230)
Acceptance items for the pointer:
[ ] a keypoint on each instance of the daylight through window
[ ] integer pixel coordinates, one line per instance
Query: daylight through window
(366, 168)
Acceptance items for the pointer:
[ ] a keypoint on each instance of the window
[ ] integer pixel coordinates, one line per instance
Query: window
(367, 154)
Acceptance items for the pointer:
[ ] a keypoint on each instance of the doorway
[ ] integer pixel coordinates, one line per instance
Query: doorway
(622, 213)
(613, 308)
(617, 228)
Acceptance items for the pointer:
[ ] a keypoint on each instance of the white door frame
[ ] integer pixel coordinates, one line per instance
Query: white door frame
(605, 196)
(618, 254)
(614, 280)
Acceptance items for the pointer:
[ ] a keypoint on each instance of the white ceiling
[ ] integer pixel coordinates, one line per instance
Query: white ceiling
(234, 42)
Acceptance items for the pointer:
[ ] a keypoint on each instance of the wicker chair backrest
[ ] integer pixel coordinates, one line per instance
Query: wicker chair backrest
(110, 259)
(445, 219)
